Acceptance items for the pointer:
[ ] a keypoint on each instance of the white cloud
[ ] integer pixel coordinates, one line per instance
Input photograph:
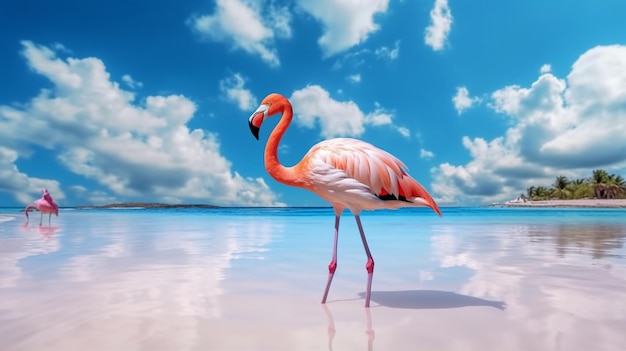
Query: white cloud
(132, 149)
(404, 131)
(25, 189)
(58, 47)
(247, 25)
(440, 24)
(345, 23)
(386, 52)
(426, 154)
(355, 78)
(379, 116)
(558, 127)
(278, 18)
(234, 90)
(462, 101)
(131, 82)
(313, 105)
(92, 197)
(546, 68)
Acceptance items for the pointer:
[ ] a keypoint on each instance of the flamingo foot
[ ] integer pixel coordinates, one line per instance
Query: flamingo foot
(370, 274)
(331, 273)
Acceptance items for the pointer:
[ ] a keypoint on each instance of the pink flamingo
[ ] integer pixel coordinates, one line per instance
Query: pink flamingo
(45, 205)
(348, 173)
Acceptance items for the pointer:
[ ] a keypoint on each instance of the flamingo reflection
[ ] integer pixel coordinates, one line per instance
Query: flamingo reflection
(47, 232)
(45, 242)
(332, 331)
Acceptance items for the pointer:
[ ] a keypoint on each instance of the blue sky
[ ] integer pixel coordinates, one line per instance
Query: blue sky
(106, 101)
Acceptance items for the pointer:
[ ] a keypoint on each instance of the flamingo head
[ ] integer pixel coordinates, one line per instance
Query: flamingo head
(271, 105)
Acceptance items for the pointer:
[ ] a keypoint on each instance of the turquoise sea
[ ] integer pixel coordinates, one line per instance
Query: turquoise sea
(252, 279)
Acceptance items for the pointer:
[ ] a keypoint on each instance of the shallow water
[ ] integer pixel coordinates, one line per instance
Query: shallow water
(252, 279)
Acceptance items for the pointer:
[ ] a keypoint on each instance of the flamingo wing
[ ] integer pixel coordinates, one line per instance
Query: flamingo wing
(48, 202)
(358, 166)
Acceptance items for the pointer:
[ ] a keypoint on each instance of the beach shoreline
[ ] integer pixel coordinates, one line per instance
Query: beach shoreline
(578, 203)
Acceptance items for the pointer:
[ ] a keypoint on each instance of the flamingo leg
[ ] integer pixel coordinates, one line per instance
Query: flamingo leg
(333, 263)
(49, 218)
(370, 262)
(40, 217)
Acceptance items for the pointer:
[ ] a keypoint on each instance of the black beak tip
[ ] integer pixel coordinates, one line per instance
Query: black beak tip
(254, 130)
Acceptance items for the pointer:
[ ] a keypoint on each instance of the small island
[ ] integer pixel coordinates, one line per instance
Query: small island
(577, 203)
(146, 205)
(601, 190)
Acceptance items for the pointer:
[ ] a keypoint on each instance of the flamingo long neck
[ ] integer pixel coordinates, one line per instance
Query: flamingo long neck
(28, 209)
(285, 175)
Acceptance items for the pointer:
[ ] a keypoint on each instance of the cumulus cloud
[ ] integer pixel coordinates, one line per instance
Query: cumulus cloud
(440, 24)
(558, 127)
(92, 197)
(133, 149)
(345, 23)
(234, 90)
(313, 105)
(25, 189)
(251, 26)
(462, 100)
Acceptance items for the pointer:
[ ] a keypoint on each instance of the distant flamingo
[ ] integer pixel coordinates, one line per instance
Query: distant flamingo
(348, 173)
(45, 205)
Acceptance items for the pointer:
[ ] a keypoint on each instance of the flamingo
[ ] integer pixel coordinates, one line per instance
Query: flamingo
(349, 173)
(45, 205)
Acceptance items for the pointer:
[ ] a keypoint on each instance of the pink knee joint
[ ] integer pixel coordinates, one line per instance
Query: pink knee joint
(332, 267)
(370, 266)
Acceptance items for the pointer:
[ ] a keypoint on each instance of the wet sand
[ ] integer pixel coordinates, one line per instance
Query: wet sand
(123, 280)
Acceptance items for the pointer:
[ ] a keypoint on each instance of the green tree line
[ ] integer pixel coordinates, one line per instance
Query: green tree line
(601, 185)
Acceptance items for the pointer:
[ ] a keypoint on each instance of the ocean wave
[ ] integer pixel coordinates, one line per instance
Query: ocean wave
(4, 218)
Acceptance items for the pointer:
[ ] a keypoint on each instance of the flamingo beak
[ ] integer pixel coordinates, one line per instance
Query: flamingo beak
(254, 129)
(257, 118)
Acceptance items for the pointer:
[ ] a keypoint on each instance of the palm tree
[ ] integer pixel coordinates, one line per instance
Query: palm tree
(542, 193)
(600, 185)
(559, 188)
(598, 180)
(615, 186)
(580, 188)
(620, 182)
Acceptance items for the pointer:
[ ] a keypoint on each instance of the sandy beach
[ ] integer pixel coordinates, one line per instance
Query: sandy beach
(581, 203)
